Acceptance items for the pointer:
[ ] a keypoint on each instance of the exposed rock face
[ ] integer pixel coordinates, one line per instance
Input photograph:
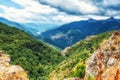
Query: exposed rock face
(73, 79)
(104, 63)
(10, 72)
(65, 51)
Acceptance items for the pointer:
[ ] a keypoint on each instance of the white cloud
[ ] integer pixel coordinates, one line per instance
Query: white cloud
(112, 13)
(74, 6)
(35, 7)
(111, 2)
(64, 18)
(97, 17)
(33, 11)
(15, 14)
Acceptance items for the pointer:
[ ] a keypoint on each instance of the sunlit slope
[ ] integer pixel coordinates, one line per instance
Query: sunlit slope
(37, 58)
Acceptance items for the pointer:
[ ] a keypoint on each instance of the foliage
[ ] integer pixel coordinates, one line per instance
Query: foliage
(70, 33)
(74, 65)
(90, 78)
(37, 58)
(79, 70)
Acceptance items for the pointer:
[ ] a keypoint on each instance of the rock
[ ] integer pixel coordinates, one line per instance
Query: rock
(10, 72)
(73, 79)
(89, 38)
(65, 51)
(104, 63)
(111, 61)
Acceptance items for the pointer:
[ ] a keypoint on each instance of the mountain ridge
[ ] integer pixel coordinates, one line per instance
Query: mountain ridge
(16, 24)
(33, 29)
(70, 33)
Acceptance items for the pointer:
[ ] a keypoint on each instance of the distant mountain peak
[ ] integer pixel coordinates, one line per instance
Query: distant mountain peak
(91, 20)
(2, 18)
(79, 30)
(111, 18)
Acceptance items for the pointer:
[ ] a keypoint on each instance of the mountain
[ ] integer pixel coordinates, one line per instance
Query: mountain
(17, 25)
(37, 58)
(95, 58)
(38, 28)
(10, 72)
(70, 33)
(75, 64)
(33, 29)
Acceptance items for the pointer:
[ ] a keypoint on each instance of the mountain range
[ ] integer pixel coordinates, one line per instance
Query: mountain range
(17, 25)
(33, 29)
(44, 62)
(70, 33)
(66, 34)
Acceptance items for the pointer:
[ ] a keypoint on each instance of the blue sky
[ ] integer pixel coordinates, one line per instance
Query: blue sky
(10, 3)
(58, 11)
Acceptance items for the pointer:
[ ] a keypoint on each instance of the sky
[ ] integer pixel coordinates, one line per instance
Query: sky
(58, 11)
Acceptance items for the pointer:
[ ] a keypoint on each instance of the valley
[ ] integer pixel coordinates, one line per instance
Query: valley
(37, 58)
(59, 39)
(70, 33)
(50, 61)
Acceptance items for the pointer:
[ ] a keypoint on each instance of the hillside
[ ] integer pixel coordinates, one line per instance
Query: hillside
(33, 29)
(104, 63)
(74, 65)
(68, 34)
(37, 58)
(9, 71)
(21, 26)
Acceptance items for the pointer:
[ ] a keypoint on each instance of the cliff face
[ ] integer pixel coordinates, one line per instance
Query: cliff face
(10, 72)
(104, 63)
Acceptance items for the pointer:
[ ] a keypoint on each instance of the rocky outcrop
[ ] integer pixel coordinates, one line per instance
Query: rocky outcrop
(66, 51)
(73, 79)
(10, 72)
(104, 63)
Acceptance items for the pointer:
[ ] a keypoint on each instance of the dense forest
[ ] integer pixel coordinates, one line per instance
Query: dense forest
(42, 61)
(37, 58)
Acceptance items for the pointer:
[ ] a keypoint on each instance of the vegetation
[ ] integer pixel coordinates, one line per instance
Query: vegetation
(70, 33)
(74, 65)
(35, 57)
(43, 62)
(90, 77)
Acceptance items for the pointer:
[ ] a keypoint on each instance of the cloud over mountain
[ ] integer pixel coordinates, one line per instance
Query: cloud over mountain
(72, 6)
(58, 11)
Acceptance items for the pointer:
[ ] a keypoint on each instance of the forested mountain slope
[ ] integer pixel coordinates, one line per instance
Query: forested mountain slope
(70, 33)
(37, 58)
(74, 65)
